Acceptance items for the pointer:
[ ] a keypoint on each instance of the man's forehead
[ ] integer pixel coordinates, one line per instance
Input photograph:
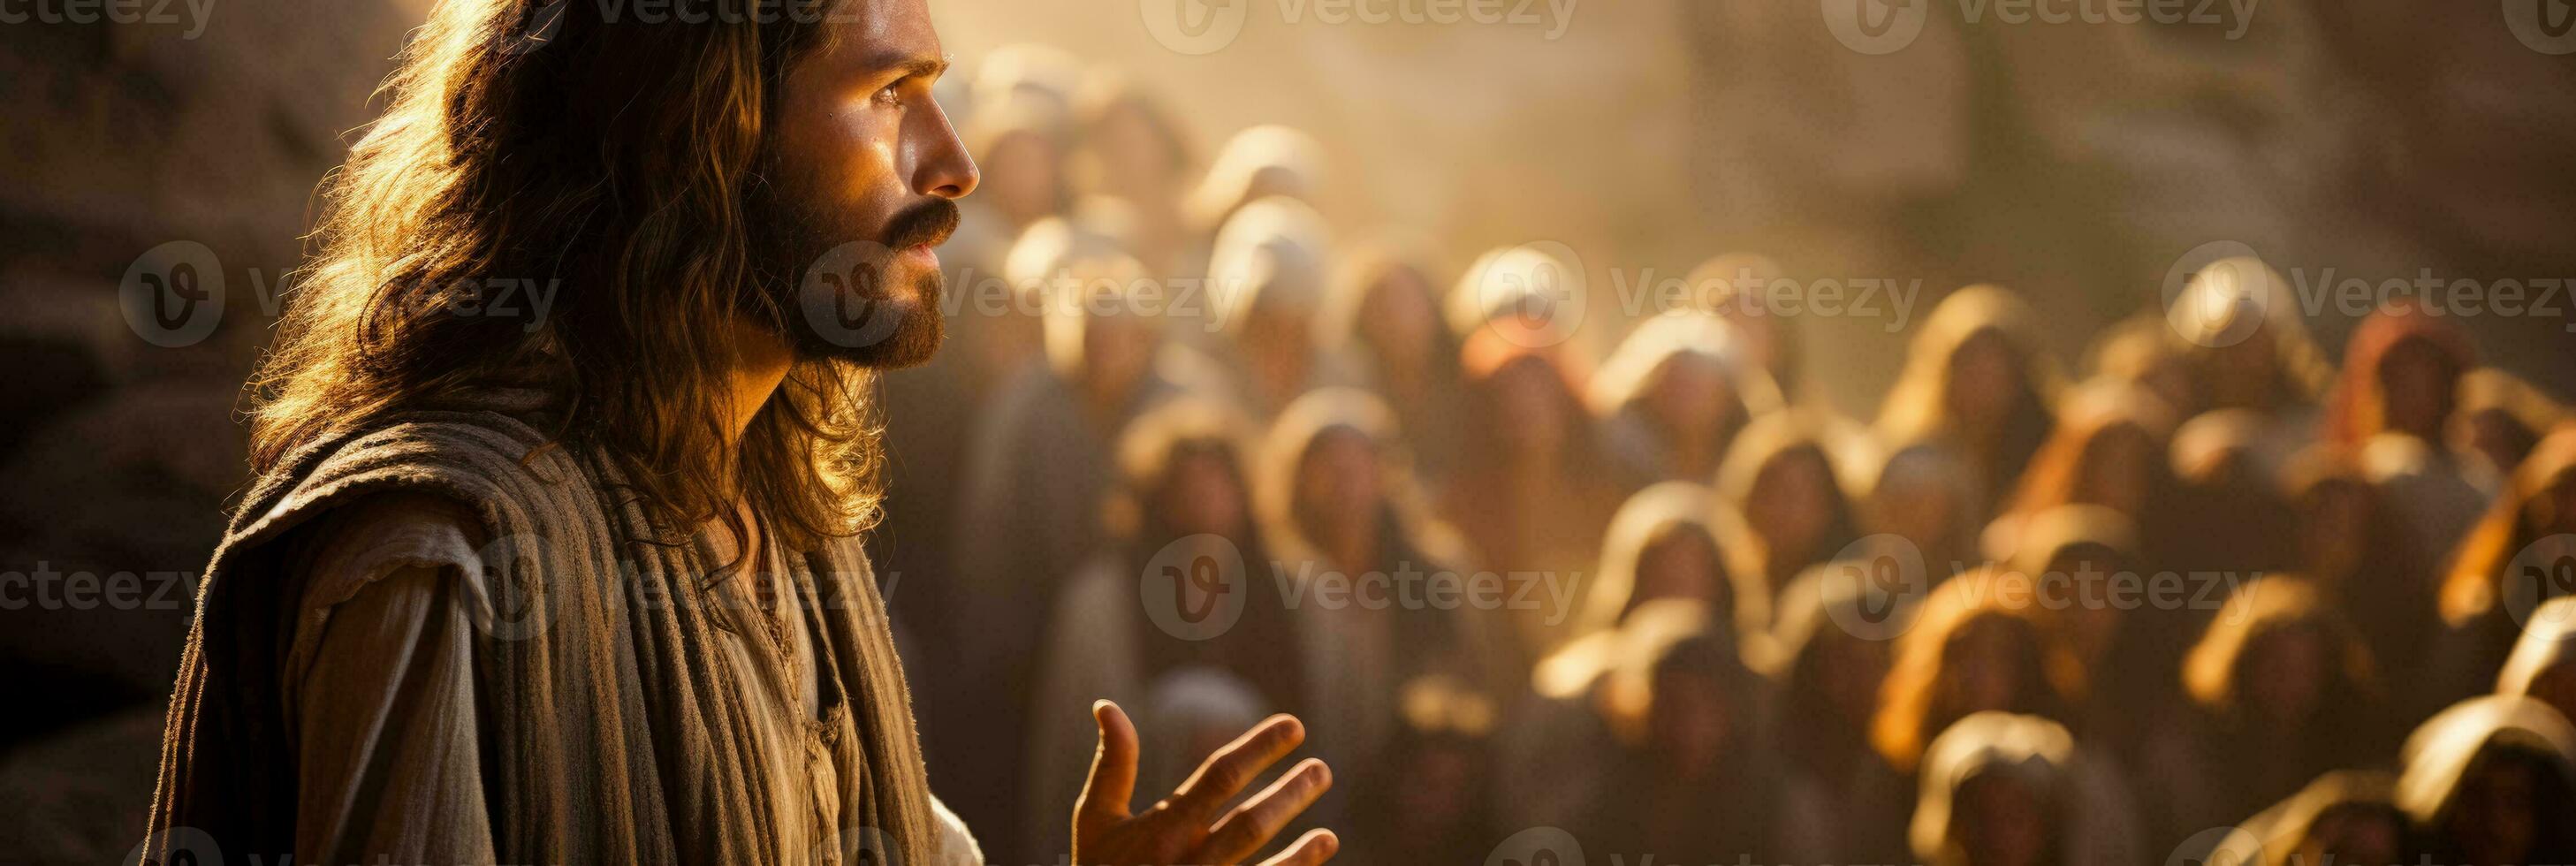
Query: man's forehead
(884, 34)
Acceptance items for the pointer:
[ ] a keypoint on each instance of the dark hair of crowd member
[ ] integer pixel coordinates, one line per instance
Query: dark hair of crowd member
(1977, 379)
(1156, 457)
(2514, 557)
(2287, 690)
(2401, 373)
(1970, 650)
(2351, 542)
(2492, 780)
(1787, 528)
(2109, 449)
(1665, 542)
(1692, 779)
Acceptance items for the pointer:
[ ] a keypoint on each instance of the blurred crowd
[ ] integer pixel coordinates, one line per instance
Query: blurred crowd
(2201, 592)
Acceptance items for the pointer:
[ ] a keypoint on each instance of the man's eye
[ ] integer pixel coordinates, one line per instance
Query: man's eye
(891, 94)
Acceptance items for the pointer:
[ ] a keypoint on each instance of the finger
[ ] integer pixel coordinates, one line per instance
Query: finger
(1251, 825)
(1235, 766)
(1113, 772)
(1317, 846)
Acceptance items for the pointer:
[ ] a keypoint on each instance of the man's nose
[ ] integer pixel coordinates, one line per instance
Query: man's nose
(942, 167)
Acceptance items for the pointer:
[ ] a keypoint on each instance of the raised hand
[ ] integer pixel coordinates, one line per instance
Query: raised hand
(1185, 828)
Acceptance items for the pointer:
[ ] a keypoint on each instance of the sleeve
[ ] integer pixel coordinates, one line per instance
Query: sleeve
(380, 687)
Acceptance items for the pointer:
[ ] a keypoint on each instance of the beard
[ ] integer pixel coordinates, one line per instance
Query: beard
(837, 293)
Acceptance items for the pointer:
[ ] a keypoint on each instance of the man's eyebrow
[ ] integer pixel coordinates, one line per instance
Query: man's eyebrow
(922, 65)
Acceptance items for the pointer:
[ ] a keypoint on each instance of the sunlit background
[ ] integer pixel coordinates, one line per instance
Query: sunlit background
(2084, 167)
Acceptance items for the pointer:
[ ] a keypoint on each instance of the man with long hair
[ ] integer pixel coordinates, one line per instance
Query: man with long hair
(589, 589)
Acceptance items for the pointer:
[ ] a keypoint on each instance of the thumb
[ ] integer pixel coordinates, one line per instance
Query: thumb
(1113, 771)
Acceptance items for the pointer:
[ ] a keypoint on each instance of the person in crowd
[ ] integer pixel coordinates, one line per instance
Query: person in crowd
(1131, 149)
(2109, 449)
(1973, 647)
(2285, 691)
(1928, 497)
(2241, 522)
(1181, 506)
(1257, 163)
(1782, 476)
(2129, 648)
(2513, 561)
(1738, 287)
(1381, 320)
(1193, 706)
(1528, 290)
(2502, 417)
(1686, 773)
(1977, 380)
(1021, 134)
(2543, 664)
(1027, 70)
(2346, 816)
(2143, 351)
(2006, 789)
(1444, 750)
(2352, 541)
(1265, 286)
(1036, 470)
(1530, 491)
(1675, 394)
(2393, 405)
(1664, 543)
(1345, 529)
(1839, 800)
(2492, 781)
(1559, 743)
(2249, 350)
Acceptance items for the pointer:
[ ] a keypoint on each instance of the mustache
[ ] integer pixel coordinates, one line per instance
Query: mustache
(928, 223)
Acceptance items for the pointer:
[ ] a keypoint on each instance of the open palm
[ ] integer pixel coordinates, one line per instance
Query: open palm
(1186, 828)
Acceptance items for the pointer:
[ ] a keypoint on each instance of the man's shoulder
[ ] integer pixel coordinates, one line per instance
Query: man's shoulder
(476, 464)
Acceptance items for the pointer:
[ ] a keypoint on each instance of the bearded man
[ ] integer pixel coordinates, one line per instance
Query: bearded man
(590, 590)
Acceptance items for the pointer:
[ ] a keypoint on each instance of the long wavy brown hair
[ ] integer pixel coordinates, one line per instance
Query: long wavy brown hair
(626, 159)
